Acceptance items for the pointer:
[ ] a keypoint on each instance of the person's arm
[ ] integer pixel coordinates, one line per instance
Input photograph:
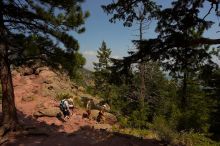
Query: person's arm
(71, 105)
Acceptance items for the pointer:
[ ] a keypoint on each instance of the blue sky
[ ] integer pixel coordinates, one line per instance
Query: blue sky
(117, 37)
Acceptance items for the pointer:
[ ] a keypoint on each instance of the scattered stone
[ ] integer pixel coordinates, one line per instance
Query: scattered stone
(50, 88)
(48, 81)
(27, 98)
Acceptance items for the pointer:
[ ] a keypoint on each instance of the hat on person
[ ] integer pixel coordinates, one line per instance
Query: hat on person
(70, 100)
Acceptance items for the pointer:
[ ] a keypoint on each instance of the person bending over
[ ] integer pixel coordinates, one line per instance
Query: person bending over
(65, 106)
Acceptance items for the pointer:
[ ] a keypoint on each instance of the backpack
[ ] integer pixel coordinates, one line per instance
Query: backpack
(63, 105)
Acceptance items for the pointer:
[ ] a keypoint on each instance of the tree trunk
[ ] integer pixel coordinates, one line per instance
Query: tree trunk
(8, 103)
(143, 87)
(9, 113)
(142, 67)
(184, 92)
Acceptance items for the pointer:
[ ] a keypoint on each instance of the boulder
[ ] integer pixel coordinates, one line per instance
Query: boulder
(94, 114)
(109, 118)
(38, 70)
(47, 74)
(81, 89)
(14, 73)
(27, 71)
(49, 112)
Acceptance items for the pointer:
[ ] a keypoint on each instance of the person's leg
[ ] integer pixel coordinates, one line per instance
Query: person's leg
(67, 113)
(64, 114)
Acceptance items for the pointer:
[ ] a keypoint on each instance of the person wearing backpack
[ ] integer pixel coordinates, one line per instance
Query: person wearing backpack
(65, 106)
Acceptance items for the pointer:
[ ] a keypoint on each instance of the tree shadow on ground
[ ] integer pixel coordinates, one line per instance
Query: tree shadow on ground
(42, 134)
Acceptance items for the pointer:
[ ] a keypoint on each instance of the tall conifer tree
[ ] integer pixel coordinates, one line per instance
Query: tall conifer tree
(48, 20)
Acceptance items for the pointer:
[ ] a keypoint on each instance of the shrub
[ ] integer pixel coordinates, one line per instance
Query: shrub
(123, 121)
(78, 102)
(141, 133)
(138, 119)
(195, 139)
(63, 96)
(163, 130)
(90, 90)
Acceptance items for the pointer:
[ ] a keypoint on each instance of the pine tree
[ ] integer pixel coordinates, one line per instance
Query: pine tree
(102, 71)
(176, 46)
(46, 20)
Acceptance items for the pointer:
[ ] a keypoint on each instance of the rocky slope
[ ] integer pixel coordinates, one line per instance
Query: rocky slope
(36, 91)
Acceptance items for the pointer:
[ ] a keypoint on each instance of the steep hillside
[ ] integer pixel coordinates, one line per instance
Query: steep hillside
(37, 94)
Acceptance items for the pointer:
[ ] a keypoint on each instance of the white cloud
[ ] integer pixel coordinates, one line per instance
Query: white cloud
(89, 53)
(116, 57)
(90, 56)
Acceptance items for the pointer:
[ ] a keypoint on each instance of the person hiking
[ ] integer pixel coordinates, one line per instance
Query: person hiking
(101, 118)
(65, 106)
(88, 109)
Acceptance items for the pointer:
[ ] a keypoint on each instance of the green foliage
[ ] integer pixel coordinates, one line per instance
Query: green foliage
(141, 133)
(63, 96)
(40, 30)
(138, 118)
(211, 77)
(195, 139)
(60, 17)
(119, 102)
(155, 85)
(191, 102)
(164, 131)
(90, 90)
(102, 72)
(104, 59)
(123, 121)
(168, 134)
(132, 10)
(77, 64)
(78, 102)
(197, 114)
